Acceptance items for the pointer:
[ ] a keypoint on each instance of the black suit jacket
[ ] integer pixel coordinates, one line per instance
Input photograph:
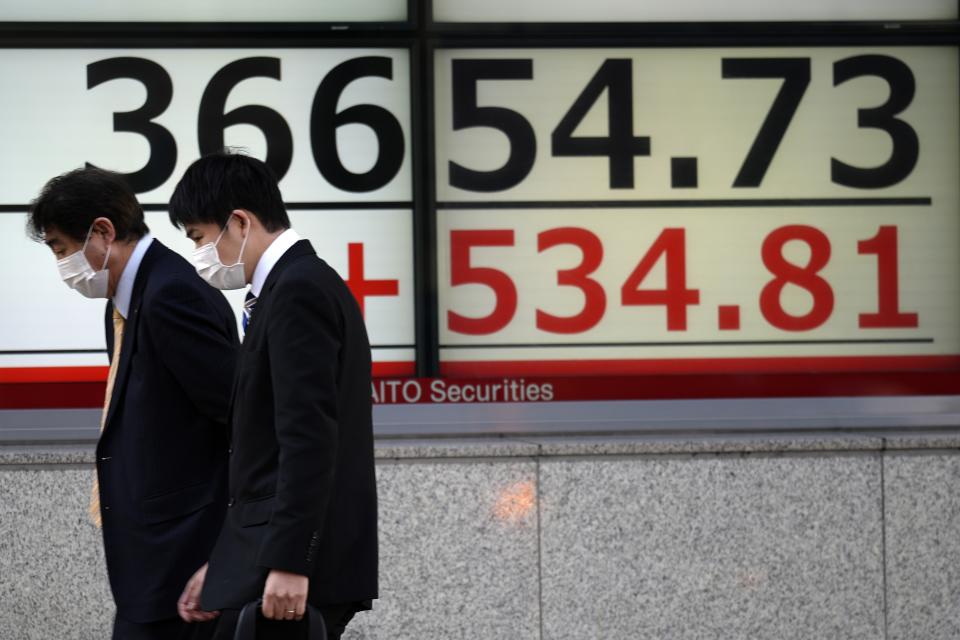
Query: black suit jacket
(161, 458)
(302, 482)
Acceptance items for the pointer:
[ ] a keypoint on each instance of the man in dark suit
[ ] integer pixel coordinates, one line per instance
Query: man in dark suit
(301, 521)
(160, 486)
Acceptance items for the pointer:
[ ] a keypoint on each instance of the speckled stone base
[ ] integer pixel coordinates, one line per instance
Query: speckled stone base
(458, 552)
(848, 536)
(53, 582)
(785, 548)
(923, 546)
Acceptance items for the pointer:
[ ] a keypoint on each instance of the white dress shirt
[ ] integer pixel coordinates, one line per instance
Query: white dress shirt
(121, 298)
(270, 257)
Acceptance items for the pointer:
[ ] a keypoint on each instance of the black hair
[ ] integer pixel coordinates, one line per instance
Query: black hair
(72, 201)
(220, 182)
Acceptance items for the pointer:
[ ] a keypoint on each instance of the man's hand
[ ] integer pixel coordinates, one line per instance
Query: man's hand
(285, 595)
(189, 604)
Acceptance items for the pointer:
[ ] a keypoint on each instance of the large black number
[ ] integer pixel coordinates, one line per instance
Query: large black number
(212, 120)
(163, 148)
(466, 114)
(324, 121)
(906, 147)
(796, 77)
(620, 145)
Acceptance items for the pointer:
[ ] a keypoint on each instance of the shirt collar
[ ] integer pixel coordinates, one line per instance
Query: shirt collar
(121, 299)
(270, 257)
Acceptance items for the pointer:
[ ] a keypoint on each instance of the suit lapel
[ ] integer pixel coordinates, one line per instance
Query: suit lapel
(299, 249)
(130, 327)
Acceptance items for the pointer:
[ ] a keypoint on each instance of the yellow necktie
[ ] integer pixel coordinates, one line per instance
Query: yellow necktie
(111, 377)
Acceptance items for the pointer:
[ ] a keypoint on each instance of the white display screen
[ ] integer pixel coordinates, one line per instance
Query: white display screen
(773, 209)
(334, 123)
(631, 211)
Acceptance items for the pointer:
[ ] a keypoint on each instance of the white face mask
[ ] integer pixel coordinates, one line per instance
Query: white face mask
(206, 261)
(76, 271)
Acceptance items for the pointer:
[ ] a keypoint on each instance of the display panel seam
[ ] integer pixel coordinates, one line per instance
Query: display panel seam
(919, 201)
(700, 343)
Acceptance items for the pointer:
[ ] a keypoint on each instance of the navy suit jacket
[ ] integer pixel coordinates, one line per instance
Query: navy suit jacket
(302, 484)
(161, 459)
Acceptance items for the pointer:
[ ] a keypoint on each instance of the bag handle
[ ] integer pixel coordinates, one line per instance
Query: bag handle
(247, 623)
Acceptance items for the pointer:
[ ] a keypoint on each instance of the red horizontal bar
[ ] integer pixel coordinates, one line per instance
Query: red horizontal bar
(53, 374)
(57, 395)
(871, 380)
(657, 387)
(83, 387)
(394, 369)
(51, 395)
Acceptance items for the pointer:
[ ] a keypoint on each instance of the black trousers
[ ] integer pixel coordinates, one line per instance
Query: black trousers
(334, 618)
(170, 629)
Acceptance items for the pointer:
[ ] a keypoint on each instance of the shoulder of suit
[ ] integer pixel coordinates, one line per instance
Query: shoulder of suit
(309, 272)
(172, 274)
(307, 266)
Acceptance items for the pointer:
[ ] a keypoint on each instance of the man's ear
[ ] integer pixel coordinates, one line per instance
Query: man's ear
(246, 219)
(104, 227)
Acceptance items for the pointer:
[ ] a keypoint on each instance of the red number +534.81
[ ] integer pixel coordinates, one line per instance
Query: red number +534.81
(675, 296)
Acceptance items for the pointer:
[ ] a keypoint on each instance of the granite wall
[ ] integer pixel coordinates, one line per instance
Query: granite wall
(828, 536)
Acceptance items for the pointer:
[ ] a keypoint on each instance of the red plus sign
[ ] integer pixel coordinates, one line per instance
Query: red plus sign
(364, 288)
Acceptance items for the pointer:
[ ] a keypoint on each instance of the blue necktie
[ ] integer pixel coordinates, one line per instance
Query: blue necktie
(248, 305)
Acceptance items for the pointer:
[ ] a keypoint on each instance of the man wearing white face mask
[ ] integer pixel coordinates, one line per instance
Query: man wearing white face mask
(159, 492)
(206, 260)
(301, 527)
(76, 272)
